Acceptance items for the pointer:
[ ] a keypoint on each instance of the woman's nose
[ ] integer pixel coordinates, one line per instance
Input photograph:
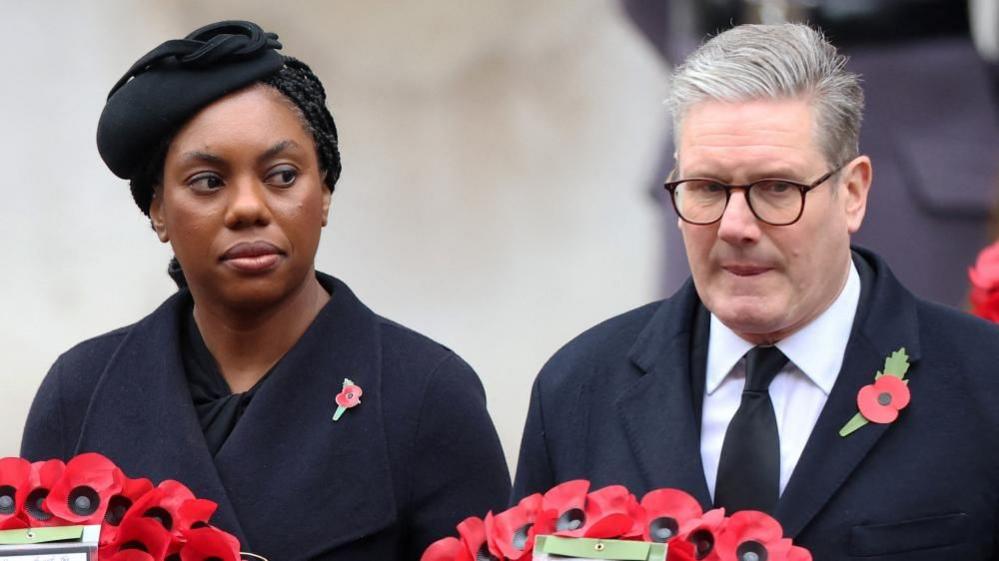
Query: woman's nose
(247, 204)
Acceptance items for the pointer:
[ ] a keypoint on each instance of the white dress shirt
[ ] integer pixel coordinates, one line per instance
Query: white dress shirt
(798, 392)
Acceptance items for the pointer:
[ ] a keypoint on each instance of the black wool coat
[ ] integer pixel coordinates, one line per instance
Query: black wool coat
(395, 473)
(620, 404)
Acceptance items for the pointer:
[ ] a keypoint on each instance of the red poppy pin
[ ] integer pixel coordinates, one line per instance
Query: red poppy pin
(881, 401)
(349, 396)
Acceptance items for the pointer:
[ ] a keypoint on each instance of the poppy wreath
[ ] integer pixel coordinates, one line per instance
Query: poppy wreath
(139, 521)
(666, 516)
(984, 277)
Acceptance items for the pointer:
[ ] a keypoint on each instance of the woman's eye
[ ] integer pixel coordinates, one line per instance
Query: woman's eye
(282, 177)
(205, 183)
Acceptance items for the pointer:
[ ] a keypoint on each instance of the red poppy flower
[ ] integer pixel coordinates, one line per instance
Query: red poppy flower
(511, 533)
(666, 511)
(472, 532)
(680, 550)
(143, 534)
(798, 554)
(349, 396)
(44, 476)
(82, 493)
(703, 533)
(881, 401)
(14, 483)
(119, 504)
(210, 544)
(984, 277)
(131, 555)
(568, 501)
(163, 504)
(447, 549)
(750, 531)
(194, 514)
(612, 512)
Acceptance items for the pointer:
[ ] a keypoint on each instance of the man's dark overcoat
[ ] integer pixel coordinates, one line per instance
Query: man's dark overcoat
(621, 403)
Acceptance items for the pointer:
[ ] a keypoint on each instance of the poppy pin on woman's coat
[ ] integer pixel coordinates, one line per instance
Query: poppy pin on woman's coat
(349, 397)
(881, 401)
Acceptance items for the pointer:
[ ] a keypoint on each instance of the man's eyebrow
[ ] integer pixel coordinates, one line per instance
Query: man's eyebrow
(726, 177)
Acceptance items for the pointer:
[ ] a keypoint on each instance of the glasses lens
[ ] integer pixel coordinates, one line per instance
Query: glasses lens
(776, 202)
(699, 200)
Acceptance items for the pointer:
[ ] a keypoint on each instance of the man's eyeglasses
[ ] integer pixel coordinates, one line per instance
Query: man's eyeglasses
(778, 202)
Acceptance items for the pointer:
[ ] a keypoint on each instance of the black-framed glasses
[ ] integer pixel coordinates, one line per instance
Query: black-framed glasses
(778, 202)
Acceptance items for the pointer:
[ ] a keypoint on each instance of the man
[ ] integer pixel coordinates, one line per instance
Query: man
(737, 389)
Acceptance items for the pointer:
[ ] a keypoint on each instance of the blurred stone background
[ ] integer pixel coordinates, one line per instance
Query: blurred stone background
(495, 194)
(502, 160)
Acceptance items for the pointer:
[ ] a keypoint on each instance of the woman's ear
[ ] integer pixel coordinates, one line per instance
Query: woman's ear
(327, 197)
(157, 215)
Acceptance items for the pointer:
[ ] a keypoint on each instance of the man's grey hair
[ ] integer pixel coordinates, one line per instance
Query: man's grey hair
(752, 62)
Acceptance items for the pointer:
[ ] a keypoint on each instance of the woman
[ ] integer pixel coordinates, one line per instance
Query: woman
(322, 430)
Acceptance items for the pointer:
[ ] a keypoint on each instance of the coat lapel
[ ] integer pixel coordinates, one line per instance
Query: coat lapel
(287, 456)
(657, 409)
(885, 321)
(141, 415)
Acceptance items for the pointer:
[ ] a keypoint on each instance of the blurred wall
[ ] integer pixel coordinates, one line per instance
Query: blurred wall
(494, 195)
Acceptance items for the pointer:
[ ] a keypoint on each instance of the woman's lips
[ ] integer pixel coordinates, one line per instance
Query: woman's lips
(252, 257)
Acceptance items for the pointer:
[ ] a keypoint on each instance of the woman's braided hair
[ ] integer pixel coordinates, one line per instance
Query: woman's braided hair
(297, 82)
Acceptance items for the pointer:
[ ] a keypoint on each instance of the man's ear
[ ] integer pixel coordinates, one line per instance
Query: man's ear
(157, 215)
(857, 176)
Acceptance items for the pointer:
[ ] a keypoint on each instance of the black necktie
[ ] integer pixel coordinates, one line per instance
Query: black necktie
(749, 467)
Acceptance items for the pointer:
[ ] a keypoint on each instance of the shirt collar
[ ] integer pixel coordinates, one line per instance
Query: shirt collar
(819, 362)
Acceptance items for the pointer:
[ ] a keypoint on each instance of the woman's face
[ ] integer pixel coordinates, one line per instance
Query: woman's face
(243, 200)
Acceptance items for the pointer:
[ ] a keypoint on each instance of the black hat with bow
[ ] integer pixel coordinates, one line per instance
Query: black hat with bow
(171, 83)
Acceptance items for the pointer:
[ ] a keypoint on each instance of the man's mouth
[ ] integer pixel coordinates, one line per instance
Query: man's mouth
(746, 270)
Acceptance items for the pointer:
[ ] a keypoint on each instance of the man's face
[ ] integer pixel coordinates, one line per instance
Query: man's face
(762, 281)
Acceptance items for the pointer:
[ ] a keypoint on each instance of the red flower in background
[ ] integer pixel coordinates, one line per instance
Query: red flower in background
(131, 491)
(702, 533)
(472, 532)
(163, 504)
(119, 504)
(680, 550)
(14, 482)
(749, 531)
(132, 555)
(44, 476)
(984, 277)
(666, 511)
(209, 544)
(143, 534)
(140, 522)
(512, 532)
(447, 549)
(612, 512)
(881, 401)
(194, 514)
(82, 493)
(568, 501)
(664, 515)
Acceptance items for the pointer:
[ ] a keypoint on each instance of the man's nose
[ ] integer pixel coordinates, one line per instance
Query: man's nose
(247, 204)
(738, 224)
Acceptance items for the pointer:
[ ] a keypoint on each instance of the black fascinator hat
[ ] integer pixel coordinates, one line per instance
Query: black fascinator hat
(171, 83)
